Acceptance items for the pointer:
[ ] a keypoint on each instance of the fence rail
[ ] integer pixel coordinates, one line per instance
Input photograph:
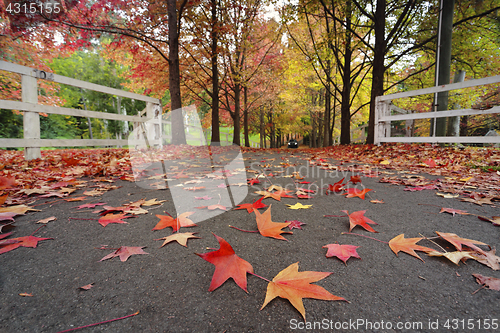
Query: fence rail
(31, 109)
(384, 107)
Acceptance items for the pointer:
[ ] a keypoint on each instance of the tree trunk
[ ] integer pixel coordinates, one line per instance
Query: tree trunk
(443, 64)
(215, 78)
(262, 135)
(236, 115)
(245, 117)
(174, 81)
(378, 69)
(345, 106)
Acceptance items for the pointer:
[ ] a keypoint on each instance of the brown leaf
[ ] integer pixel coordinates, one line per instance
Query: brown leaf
(488, 258)
(487, 281)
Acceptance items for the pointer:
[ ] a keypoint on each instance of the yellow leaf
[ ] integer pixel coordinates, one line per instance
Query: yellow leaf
(386, 162)
(454, 257)
(298, 205)
(447, 195)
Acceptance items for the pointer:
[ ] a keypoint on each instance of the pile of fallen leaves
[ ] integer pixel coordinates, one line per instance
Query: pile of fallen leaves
(60, 173)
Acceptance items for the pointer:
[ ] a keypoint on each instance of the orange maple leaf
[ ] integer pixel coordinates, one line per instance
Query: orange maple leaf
(168, 221)
(227, 265)
(354, 192)
(268, 228)
(358, 218)
(408, 245)
(294, 286)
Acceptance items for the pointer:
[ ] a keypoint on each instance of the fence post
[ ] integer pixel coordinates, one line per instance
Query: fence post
(380, 111)
(31, 120)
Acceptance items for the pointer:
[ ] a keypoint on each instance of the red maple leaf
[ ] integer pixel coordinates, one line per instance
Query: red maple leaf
(354, 192)
(112, 218)
(124, 252)
(337, 187)
(250, 206)
(355, 179)
(26, 241)
(90, 205)
(343, 252)
(295, 224)
(358, 218)
(227, 265)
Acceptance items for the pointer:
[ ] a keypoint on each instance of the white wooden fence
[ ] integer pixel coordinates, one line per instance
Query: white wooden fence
(31, 118)
(384, 107)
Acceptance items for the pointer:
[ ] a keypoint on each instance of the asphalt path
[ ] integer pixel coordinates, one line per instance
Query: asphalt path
(169, 285)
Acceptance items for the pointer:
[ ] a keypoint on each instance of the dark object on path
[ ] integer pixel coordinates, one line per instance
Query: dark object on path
(293, 144)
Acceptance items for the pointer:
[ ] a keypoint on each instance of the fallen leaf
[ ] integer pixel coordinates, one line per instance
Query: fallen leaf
(488, 281)
(494, 219)
(488, 258)
(453, 211)
(206, 197)
(250, 206)
(298, 205)
(180, 238)
(3, 198)
(447, 195)
(355, 179)
(454, 257)
(7, 182)
(87, 287)
(90, 205)
(295, 224)
(459, 241)
(26, 295)
(377, 201)
(407, 245)
(337, 187)
(227, 265)
(8, 216)
(47, 220)
(93, 193)
(354, 192)
(179, 222)
(112, 218)
(343, 252)
(268, 228)
(19, 209)
(294, 286)
(124, 252)
(358, 218)
(26, 241)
